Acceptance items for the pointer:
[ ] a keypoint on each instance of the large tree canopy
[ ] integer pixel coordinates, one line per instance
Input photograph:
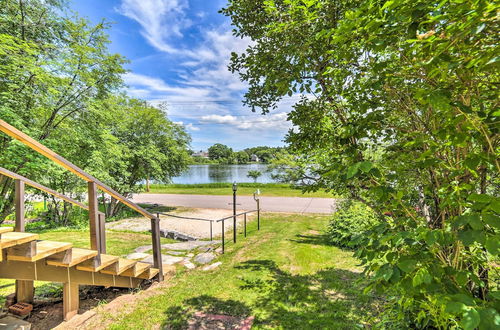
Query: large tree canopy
(399, 111)
(60, 84)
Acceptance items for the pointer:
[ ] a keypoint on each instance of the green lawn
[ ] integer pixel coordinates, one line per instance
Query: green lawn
(244, 189)
(286, 275)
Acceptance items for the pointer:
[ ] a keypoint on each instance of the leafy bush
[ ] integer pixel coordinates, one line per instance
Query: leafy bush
(348, 224)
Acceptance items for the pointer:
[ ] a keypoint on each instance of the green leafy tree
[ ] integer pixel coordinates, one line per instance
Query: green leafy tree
(416, 82)
(220, 152)
(254, 174)
(53, 69)
(242, 157)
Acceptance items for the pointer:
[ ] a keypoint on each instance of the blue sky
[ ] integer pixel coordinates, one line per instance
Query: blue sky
(179, 51)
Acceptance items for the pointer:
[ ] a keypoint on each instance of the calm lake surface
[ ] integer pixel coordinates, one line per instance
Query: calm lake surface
(222, 173)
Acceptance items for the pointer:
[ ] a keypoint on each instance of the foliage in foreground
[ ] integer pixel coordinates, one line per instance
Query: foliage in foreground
(350, 223)
(400, 112)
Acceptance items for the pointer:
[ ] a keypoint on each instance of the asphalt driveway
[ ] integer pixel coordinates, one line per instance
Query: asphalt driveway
(267, 204)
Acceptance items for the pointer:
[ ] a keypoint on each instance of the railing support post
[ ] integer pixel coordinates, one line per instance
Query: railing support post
(234, 215)
(245, 224)
(258, 214)
(25, 290)
(95, 239)
(102, 232)
(20, 208)
(223, 236)
(155, 236)
(211, 231)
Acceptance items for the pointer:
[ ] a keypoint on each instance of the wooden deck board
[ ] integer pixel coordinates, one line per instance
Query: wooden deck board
(4, 230)
(43, 250)
(123, 265)
(106, 260)
(14, 238)
(137, 270)
(149, 274)
(79, 256)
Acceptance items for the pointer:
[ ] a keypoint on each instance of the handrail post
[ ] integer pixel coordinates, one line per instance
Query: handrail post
(258, 214)
(20, 206)
(245, 224)
(25, 290)
(222, 236)
(211, 235)
(155, 236)
(95, 239)
(102, 232)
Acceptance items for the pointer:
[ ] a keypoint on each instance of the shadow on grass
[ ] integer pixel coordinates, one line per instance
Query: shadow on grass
(329, 299)
(312, 239)
(177, 317)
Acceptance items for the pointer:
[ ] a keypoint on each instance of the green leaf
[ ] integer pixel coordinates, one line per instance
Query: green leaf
(481, 198)
(493, 245)
(490, 319)
(352, 170)
(468, 237)
(470, 319)
(475, 222)
(422, 276)
(492, 220)
(365, 166)
(407, 265)
(455, 307)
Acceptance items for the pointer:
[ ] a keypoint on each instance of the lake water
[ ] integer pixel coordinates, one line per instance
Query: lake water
(222, 173)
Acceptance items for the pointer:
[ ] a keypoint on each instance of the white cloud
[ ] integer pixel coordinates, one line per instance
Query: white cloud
(159, 19)
(189, 126)
(276, 121)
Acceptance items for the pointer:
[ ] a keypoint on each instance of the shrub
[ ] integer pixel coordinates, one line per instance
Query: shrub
(349, 223)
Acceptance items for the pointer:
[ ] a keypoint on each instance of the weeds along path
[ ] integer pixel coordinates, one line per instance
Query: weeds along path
(286, 275)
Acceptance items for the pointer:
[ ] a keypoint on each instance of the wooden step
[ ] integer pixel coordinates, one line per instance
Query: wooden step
(149, 274)
(4, 230)
(15, 238)
(137, 270)
(43, 250)
(91, 265)
(77, 256)
(119, 267)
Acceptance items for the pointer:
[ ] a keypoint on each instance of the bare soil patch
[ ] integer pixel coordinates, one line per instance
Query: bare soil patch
(197, 228)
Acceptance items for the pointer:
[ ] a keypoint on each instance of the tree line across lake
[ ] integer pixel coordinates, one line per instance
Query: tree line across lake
(223, 154)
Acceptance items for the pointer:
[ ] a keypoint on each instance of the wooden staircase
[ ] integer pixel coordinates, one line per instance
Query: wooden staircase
(27, 259)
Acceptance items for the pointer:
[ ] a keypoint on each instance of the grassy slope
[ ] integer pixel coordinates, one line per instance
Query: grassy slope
(118, 243)
(244, 189)
(286, 275)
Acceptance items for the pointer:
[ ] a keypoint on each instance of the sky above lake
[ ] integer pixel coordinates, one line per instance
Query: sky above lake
(179, 51)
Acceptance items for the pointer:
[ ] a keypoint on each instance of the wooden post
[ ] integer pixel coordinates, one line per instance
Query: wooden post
(102, 232)
(25, 290)
(20, 209)
(71, 300)
(155, 236)
(95, 242)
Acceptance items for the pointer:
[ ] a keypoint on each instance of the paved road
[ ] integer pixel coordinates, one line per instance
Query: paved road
(270, 204)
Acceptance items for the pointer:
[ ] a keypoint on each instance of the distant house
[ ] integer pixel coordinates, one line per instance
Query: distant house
(201, 153)
(255, 158)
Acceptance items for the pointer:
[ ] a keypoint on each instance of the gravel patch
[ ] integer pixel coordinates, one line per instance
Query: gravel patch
(194, 228)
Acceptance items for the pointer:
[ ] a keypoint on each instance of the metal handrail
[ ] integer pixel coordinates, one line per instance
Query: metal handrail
(41, 149)
(38, 186)
(187, 218)
(236, 215)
